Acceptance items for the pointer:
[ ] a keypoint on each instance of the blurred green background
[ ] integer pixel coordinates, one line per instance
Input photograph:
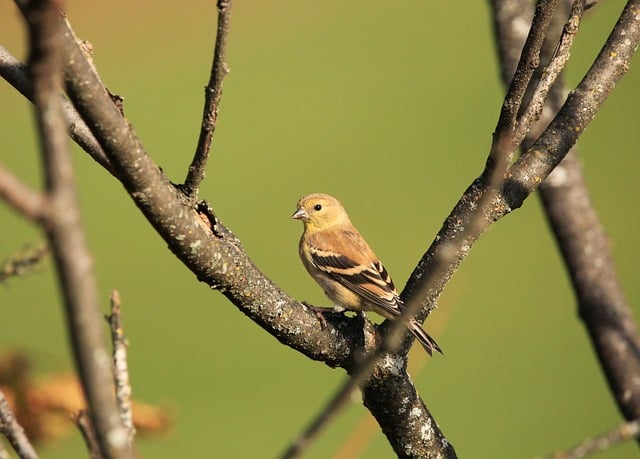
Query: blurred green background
(390, 107)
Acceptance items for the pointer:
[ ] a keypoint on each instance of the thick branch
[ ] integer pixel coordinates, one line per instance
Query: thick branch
(407, 423)
(65, 233)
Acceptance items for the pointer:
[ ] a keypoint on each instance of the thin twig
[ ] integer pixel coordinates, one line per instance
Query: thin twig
(26, 201)
(83, 421)
(14, 432)
(504, 145)
(24, 262)
(213, 93)
(551, 72)
(120, 365)
(603, 442)
(65, 233)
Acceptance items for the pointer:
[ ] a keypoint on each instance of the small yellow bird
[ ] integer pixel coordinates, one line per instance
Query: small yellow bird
(343, 264)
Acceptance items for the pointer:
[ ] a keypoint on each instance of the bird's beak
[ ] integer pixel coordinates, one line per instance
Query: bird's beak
(300, 214)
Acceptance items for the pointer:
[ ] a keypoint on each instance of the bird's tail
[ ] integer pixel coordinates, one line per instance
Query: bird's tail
(428, 343)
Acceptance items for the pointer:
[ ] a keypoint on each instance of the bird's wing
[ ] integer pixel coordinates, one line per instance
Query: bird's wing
(359, 271)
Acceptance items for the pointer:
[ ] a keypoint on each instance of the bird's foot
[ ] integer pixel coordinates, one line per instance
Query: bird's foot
(319, 313)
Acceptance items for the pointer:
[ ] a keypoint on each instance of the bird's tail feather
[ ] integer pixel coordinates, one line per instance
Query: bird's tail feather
(423, 337)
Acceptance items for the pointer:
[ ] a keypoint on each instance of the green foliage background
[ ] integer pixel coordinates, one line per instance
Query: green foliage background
(389, 106)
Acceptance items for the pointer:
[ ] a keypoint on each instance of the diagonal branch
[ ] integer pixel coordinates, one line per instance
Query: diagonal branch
(213, 93)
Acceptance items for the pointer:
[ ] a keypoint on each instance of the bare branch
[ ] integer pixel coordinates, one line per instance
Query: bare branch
(213, 93)
(14, 432)
(27, 202)
(15, 73)
(83, 421)
(24, 262)
(64, 229)
(120, 365)
(603, 442)
(551, 72)
(504, 144)
(579, 109)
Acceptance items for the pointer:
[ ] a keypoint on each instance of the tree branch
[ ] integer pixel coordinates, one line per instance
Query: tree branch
(603, 442)
(15, 73)
(14, 432)
(552, 71)
(504, 143)
(83, 421)
(213, 93)
(64, 229)
(24, 262)
(120, 365)
(29, 203)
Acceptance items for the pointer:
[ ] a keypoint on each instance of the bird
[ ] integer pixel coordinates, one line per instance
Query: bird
(339, 259)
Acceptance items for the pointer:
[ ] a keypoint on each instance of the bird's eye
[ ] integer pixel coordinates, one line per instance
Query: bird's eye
(317, 207)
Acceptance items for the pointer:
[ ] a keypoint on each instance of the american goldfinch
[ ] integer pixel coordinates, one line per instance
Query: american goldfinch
(343, 264)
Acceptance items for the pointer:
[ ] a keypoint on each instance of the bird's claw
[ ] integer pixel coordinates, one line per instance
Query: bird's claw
(319, 313)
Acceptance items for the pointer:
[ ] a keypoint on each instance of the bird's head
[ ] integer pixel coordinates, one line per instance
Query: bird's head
(320, 211)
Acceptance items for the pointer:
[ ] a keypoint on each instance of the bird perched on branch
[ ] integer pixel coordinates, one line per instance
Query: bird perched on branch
(343, 264)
